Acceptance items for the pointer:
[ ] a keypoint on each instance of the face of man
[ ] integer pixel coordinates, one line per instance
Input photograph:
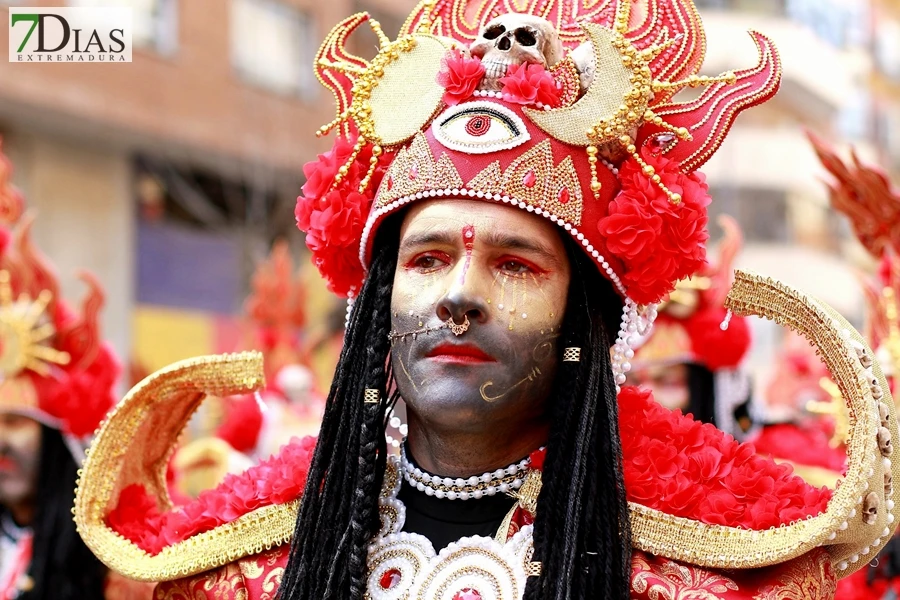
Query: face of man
(668, 382)
(505, 274)
(20, 444)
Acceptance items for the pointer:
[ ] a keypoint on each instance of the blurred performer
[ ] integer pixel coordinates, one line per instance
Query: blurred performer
(689, 361)
(804, 420)
(57, 382)
(252, 427)
(865, 195)
(505, 192)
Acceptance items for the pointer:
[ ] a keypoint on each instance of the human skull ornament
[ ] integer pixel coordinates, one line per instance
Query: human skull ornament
(515, 39)
(884, 441)
(888, 484)
(884, 412)
(870, 508)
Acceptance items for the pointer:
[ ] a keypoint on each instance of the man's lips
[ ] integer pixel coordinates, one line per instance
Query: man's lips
(462, 353)
(7, 465)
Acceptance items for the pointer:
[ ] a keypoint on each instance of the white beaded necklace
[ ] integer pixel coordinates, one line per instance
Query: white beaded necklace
(477, 486)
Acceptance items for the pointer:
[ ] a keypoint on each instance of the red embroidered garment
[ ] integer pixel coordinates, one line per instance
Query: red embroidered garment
(653, 578)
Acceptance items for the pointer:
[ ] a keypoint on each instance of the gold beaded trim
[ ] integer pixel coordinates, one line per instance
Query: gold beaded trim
(618, 100)
(531, 178)
(134, 444)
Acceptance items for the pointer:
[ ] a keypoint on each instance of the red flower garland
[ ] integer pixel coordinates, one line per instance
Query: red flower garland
(659, 242)
(459, 76)
(714, 347)
(530, 84)
(693, 470)
(276, 481)
(333, 216)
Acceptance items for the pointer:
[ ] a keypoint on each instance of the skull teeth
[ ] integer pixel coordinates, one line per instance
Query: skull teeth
(495, 69)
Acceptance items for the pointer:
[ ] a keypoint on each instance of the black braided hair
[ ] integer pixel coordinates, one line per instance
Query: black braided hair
(582, 532)
(62, 567)
(339, 511)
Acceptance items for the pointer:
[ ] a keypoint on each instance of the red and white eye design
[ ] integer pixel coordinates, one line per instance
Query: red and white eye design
(479, 128)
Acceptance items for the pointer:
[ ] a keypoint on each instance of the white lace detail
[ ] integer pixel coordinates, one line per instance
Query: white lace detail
(405, 566)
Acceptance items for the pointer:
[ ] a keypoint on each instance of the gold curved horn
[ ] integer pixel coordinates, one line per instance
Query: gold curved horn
(841, 530)
(602, 100)
(133, 446)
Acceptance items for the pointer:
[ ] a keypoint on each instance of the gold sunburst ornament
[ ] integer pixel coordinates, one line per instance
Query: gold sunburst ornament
(25, 333)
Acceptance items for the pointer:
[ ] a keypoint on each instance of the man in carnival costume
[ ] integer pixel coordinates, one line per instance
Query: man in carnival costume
(865, 195)
(689, 360)
(505, 191)
(57, 382)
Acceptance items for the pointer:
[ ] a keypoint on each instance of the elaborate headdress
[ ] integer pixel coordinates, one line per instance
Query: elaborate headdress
(566, 113)
(865, 195)
(53, 364)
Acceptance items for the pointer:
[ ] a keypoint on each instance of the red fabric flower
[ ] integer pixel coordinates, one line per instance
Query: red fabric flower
(276, 481)
(530, 84)
(243, 422)
(659, 242)
(688, 469)
(459, 76)
(715, 348)
(131, 515)
(80, 398)
(333, 215)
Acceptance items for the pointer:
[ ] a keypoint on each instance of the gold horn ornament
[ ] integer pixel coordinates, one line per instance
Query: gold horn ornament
(840, 530)
(133, 446)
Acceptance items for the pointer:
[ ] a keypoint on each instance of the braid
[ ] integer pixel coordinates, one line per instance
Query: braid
(373, 449)
(582, 530)
(339, 509)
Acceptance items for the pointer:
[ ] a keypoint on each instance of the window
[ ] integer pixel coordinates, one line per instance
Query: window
(887, 48)
(761, 212)
(272, 45)
(155, 21)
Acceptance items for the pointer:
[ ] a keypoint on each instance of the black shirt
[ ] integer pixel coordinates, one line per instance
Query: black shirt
(445, 521)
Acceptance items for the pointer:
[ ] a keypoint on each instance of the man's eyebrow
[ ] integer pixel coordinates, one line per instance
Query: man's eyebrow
(511, 241)
(497, 239)
(426, 238)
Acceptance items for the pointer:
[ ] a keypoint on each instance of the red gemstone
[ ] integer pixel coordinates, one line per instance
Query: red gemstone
(390, 579)
(661, 142)
(467, 594)
(414, 171)
(530, 179)
(563, 196)
(390, 183)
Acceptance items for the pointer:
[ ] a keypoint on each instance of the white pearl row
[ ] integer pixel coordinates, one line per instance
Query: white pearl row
(486, 484)
(633, 325)
(456, 192)
(499, 96)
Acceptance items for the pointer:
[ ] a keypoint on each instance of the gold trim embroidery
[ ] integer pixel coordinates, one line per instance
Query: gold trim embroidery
(671, 581)
(531, 178)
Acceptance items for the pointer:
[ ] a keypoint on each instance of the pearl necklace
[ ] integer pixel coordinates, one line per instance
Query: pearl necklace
(474, 487)
(405, 565)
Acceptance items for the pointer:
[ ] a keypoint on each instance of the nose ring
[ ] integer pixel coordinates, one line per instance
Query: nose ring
(458, 329)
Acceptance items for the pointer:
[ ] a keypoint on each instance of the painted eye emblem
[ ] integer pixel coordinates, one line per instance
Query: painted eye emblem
(479, 128)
